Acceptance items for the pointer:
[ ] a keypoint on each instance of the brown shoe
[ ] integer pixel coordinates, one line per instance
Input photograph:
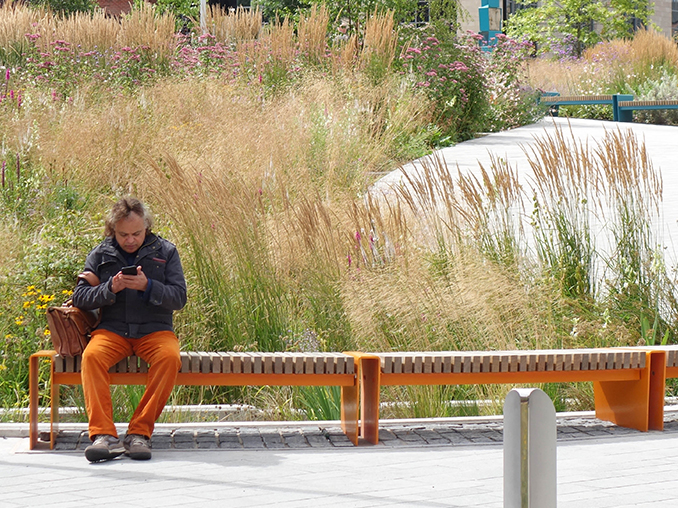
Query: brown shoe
(138, 447)
(105, 447)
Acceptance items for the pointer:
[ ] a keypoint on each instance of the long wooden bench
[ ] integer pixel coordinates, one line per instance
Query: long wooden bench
(212, 369)
(625, 108)
(628, 383)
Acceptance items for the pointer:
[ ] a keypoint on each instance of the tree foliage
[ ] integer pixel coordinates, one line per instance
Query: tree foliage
(567, 27)
(68, 7)
(357, 11)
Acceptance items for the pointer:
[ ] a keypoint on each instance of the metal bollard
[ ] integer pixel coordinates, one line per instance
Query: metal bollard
(529, 449)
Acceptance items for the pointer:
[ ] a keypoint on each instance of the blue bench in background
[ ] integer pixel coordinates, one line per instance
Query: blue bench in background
(623, 105)
(625, 108)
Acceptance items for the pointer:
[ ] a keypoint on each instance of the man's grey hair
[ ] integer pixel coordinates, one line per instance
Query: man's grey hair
(122, 210)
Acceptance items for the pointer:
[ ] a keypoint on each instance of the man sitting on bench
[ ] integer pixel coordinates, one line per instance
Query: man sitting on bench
(135, 278)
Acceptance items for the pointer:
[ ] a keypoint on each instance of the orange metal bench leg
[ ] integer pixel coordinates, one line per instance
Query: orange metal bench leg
(54, 414)
(34, 394)
(370, 370)
(634, 404)
(657, 390)
(33, 408)
(349, 412)
(366, 398)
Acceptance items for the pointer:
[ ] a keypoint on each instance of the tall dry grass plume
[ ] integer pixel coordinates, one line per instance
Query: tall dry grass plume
(648, 47)
(380, 41)
(492, 208)
(87, 31)
(312, 32)
(146, 26)
(276, 46)
(588, 226)
(610, 66)
(348, 52)
(17, 20)
(548, 75)
(234, 25)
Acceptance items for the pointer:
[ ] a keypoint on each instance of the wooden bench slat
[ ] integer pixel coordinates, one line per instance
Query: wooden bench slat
(427, 366)
(577, 98)
(641, 104)
(397, 365)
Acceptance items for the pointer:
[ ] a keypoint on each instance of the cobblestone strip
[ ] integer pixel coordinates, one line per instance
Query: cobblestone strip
(415, 434)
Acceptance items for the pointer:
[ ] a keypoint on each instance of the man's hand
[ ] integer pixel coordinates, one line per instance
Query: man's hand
(90, 277)
(138, 281)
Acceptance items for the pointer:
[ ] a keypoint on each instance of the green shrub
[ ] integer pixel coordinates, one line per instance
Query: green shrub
(664, 88)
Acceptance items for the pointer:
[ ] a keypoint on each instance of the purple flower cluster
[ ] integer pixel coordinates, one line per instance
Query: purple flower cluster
(472, 90)
(61, 66)
(450, 73)
(9, 97)
(204, 57)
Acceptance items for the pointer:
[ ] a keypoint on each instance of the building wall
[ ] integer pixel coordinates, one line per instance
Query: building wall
(470, 19)
(661, 18)
(115, 7)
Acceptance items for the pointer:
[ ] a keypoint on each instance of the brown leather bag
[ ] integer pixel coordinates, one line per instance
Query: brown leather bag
(70, 328)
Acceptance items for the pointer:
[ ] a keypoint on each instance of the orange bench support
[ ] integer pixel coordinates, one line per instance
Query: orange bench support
(628, 393)
(253, 369)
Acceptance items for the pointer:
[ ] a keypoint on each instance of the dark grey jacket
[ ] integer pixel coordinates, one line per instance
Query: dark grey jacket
(132, 313)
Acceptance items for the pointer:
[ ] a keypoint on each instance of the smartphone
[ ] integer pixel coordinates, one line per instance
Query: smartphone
(129, 270)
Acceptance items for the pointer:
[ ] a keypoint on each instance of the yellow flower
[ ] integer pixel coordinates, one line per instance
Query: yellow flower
(67, 292)
(30, 288)
(47, 332)
(28, 304)
(19, 321)
(3, 367)
(40, 307)
(8, 336)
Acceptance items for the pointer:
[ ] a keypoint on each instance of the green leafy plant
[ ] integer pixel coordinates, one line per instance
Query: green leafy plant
(569, 27)
(69, 7)
(663, 88)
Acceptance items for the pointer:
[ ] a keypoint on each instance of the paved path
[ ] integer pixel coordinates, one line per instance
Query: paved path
(455, 462)
(661, 143)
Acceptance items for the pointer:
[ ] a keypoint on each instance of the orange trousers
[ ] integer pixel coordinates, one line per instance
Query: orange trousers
(159, 349)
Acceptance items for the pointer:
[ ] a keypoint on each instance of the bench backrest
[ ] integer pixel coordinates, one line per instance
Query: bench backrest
(235, 363)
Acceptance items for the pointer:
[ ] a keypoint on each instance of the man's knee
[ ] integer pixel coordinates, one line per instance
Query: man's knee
(168, 357)
(90, 359)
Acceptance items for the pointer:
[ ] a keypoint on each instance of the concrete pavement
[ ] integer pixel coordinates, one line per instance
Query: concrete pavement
(456, 462)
